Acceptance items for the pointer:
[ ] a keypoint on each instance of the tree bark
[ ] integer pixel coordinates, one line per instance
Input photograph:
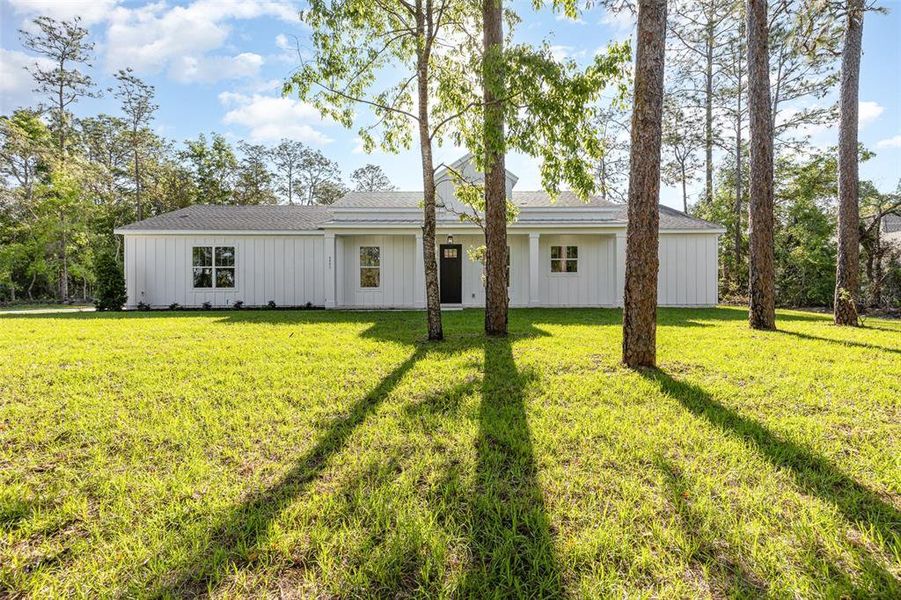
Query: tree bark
(432, 296)
(138, 181)
(708, 117)
(495, 170)
(738, 192)
(640, 302)
(848, 259)
(762, 310)
(64, 272)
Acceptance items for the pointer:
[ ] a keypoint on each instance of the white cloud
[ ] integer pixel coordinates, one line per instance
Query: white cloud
(868, 112)
(560, 52)
(892, 142)
(281, 40)
(270, 118)
(157, 37)
(15, 82)
(620, 20)
(90, 11)
(215, 68)
(563, 17)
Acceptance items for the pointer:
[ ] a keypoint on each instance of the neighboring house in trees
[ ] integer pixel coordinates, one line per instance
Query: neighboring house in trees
(366, 251)
(891, 229)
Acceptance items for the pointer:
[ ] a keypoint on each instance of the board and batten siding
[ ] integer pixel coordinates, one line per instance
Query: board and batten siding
(398, 260)
(688, 270)
(594, 284)
(473, 270)
(286, 269)
(290, 270)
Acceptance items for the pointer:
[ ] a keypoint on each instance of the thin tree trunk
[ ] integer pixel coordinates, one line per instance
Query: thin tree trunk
(64, 273)
(495, 171)
(708, 117)
(848, 259)
(640, 302)
(432, 296)
(138, 182)
(62, 113)
(684, 191)
(738, 192)
(762, 310)
(603, 178)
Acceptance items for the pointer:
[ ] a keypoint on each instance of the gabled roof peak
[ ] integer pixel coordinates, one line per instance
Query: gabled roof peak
(460, 166)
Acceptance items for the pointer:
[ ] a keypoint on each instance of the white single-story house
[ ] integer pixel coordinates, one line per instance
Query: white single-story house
(365, 251)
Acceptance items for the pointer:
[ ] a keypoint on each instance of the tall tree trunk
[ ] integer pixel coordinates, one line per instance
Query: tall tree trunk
(603, 178)
(61, 107)
(738, 193)
(684, 190)
(495, 170)
(138, 182)
(708, 116)
(640, 302)
(432, 296)
(762, 311)
(64, 272)
(848, 260)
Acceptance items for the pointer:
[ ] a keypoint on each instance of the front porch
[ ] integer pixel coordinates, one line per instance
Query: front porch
(384, 268)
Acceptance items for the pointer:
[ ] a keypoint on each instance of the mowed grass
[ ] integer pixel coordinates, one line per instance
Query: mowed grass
(329, 454)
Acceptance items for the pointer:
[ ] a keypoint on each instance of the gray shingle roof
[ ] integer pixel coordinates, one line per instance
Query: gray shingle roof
(203, 217)
(541, 199)
(891, 223)
(307, 218)
(380, 200)
(536, 199)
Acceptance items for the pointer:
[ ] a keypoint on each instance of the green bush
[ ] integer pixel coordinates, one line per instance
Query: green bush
(110, 293)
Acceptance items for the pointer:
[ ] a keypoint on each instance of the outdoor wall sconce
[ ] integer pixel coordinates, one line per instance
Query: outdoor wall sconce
(450, 239)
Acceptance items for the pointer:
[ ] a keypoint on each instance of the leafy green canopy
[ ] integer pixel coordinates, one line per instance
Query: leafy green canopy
(549, 104)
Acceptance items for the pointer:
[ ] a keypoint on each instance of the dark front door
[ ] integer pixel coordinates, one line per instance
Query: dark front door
(451, 273)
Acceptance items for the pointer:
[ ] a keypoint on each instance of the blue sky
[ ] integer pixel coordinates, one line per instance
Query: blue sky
(218, 65)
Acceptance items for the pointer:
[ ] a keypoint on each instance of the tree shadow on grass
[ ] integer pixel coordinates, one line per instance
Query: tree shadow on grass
(730, 577)
(848, 343)
(812, 473)
(509, 531)
(511, 541)
(235, 537)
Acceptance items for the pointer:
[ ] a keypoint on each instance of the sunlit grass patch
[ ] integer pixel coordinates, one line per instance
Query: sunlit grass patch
(339, 454)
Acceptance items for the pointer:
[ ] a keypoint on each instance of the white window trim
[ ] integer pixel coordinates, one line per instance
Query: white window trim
(360, 267)
(551, 260)
(207, 290)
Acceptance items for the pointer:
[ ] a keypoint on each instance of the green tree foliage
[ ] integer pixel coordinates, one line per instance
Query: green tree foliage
(214, 167)
(110, 282)
(371, 178)
(65, 46)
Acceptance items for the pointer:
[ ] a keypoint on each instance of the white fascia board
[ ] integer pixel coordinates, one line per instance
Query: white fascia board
(215, 232)
(718, 231)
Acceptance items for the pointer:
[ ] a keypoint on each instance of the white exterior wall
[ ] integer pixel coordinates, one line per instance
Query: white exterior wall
(473, 285)
(688, 270)
(295, 269)
(284, 268)
(397, 280)
(595, 282)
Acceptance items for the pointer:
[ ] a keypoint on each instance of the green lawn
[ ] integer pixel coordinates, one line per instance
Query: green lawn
(311, 454)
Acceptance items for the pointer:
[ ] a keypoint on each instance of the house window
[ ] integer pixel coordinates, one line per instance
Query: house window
(564, 259)
(370, 267)
(213, 267)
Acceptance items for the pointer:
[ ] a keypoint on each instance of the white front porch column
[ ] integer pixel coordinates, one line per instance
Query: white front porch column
(534, 269)
(329, 277)
(620, 269)
(418, 274)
